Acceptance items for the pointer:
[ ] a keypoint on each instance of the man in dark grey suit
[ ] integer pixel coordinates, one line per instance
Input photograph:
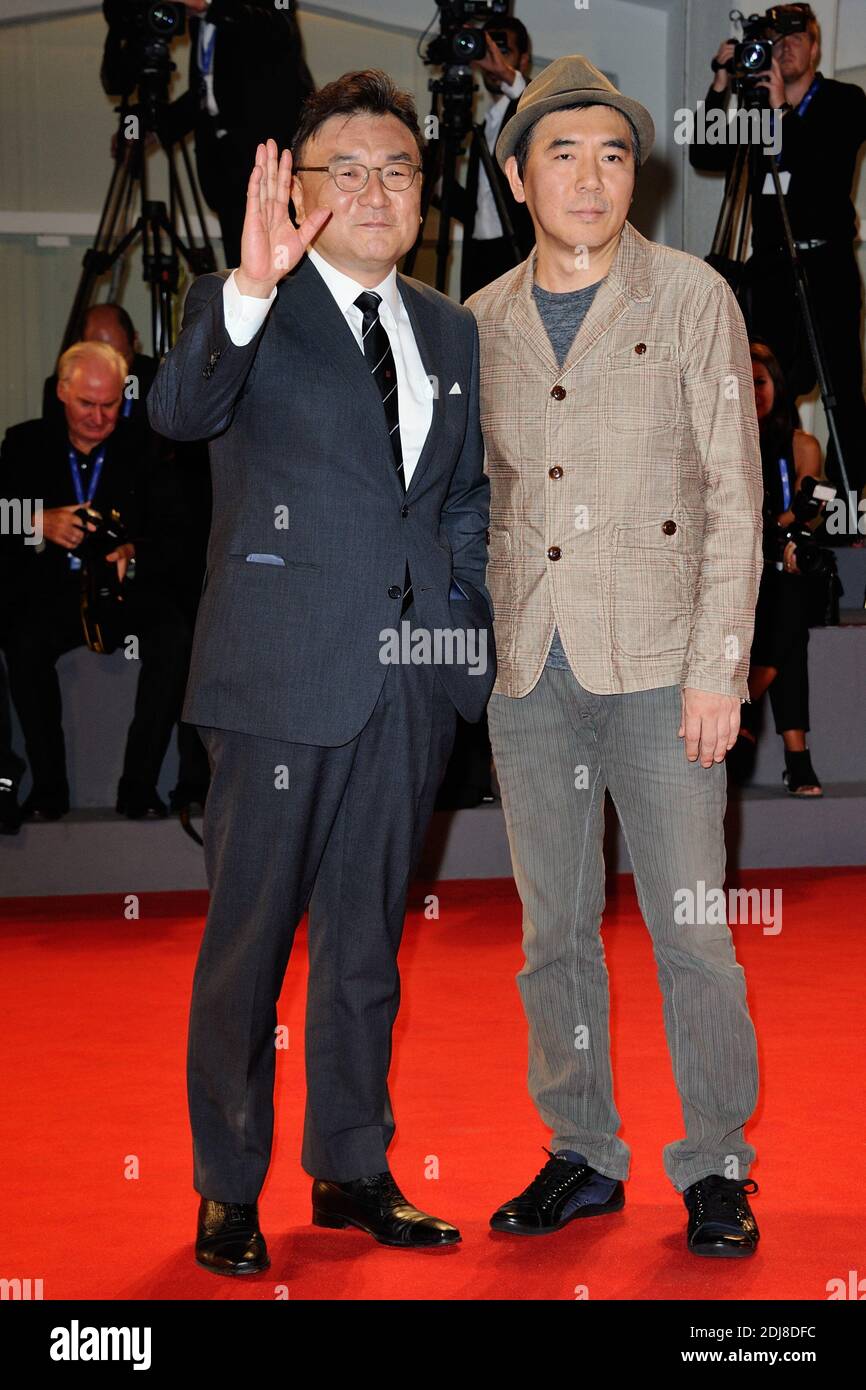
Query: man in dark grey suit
(343, 619)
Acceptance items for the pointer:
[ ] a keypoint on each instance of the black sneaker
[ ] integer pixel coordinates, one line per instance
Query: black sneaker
(720, 1219)
(541, 1207)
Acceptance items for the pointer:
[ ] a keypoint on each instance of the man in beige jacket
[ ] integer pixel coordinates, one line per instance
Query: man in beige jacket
(624, 557)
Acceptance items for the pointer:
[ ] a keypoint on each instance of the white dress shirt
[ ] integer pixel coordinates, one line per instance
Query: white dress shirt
(245, 314)
(487, 223)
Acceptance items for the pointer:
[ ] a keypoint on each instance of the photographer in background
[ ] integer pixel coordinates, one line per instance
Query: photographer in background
(89, 458)
(179, 494)
(779, 659)
(110, 323)
(247, 80)
(487, 253)
(823, 127)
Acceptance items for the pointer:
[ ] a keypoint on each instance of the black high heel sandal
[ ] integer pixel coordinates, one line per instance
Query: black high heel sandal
(799, 774)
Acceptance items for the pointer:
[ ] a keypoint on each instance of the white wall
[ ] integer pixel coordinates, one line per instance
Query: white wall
(56, 124)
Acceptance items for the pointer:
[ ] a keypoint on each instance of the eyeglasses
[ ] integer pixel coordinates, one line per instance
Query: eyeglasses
(351, 178)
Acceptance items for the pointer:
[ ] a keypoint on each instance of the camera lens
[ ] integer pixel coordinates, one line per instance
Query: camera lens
(468, 44)
(163, 19)
(755, 56)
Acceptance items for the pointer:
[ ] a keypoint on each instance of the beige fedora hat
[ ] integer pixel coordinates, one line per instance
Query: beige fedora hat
(563, 82)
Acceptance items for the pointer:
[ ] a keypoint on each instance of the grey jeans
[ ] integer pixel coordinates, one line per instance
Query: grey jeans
(556, 750)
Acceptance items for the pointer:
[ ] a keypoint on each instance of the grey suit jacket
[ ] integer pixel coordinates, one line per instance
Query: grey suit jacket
(303, 470)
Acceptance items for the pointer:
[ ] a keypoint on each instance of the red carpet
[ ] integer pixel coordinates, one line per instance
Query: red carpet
(95, 1007)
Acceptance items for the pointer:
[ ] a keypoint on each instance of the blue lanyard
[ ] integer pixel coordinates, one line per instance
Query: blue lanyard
(205, 47)
(126, 408)
(75, 560)
(786, 484)
(816, 82)
(94, 478)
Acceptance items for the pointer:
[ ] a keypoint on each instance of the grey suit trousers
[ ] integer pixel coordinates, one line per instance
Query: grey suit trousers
(556, 751)
(340, 829)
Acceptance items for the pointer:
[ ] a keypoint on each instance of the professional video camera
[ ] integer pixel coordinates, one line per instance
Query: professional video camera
(753, 54)
(147, 28)
(457, 42)
(455, 48)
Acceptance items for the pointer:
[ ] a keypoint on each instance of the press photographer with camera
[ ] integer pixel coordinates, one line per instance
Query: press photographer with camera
(823, 125)
(504, 70)
(86, 478)
(503, 60)
(180, 493)
(247, 80)
(791, 463)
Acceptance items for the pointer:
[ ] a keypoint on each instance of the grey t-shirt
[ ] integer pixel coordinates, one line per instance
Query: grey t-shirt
(562, 315)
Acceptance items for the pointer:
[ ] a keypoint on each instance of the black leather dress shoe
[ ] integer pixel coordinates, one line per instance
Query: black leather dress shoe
(136, 802)
(721, 1222)
(45, 805)
(184, 796)
(541, 1207)
(376, 1205)
(228, 1239)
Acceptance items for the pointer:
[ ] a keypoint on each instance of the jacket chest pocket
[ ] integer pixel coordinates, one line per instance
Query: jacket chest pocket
(640, 386)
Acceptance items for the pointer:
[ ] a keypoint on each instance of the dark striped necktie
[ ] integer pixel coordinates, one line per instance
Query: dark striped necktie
(380, 358)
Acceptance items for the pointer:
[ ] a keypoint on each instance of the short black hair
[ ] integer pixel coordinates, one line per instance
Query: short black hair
(119, 313)
(370, 90)
(521, 149)
(513, 26)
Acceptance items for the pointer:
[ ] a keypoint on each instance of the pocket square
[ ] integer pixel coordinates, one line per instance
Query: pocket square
(256, 559)
(455, 390)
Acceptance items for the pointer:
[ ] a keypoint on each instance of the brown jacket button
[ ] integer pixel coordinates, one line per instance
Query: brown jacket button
(554, 552)
(558, 393)
(669, 527)
(640, 347)
(555, 472)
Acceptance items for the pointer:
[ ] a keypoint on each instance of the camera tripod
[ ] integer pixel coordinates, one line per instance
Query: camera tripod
(156, 223)
(451, 116)
(727, 257)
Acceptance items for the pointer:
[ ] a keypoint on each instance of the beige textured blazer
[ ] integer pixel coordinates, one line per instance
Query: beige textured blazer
(626, 485)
